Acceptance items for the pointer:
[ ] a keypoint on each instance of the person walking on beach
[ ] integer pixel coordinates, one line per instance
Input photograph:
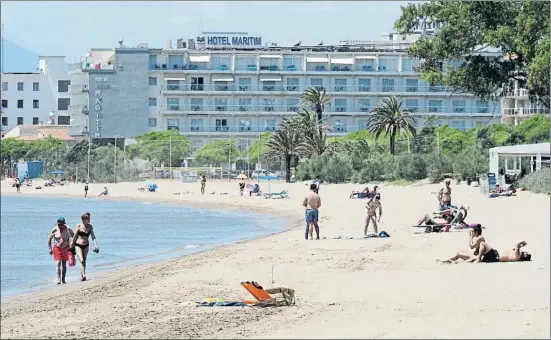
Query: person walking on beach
(312, 203)
(85, 189)
(18, 184)
(241, 186)
(317, 182)
(372, 206)
(445, 195)
(203, 183)
(61, 235)
(80, 242)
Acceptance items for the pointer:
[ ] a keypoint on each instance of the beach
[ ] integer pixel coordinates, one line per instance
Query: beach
(345, 288)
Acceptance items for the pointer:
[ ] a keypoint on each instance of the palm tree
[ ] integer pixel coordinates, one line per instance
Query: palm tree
(315, 143)
(389, 117)
(286, 143)
(316, 99)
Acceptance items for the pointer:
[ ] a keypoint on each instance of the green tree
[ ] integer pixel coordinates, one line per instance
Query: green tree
(389, 117)
(314, 133)
(532, 130)
(12, 150)
(520, 30)
(49, 150)
(160, 147)
(286, 144)
(218, 152)
(314, 99)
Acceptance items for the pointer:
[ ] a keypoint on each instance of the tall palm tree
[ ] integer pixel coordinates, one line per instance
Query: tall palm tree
(315, 143)
(315, 99)
(389, 117)
(286, 144)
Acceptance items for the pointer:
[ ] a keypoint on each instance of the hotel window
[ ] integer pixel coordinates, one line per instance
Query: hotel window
(340, 105)
(245, 104)
(412, 104)
(364, 85)
(4, 121)
(20, 103)
(317, 83)
(196, 125)
(63, 85)
(292, 64)
(458, 124)
(35, 104)
(387, 64)
(481, 106)
(244, 125)
(152, 122)
(152, 102)
(4, 86)
(221, 104)
(19, 120)
(172, 85)
(269, 64)
(173, 124)
(292, 84)
(362, 124)
(340, 126)
(221, 63)
(270, 125)
(268, 85)
(221, 86)
(4, 103)
(458, 106)
(176, 62)
(196, 145)
(196, 104)
(152, 81)
(197, 83)
(364, 105)
(222, 125)
(340, 85)
(388, 85)
(153, 64)
(292, 104)
(409, 65)
(63, 120)
(365, 65)
(20, 86)
(36, 86)
(35, 121)
(245, 63)
(269, 104)
(173, 104)
(435, 106)
(245, 84)
(412, 85)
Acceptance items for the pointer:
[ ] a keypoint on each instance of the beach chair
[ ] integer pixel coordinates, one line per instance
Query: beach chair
(436, 228)
(270, 297)
(282, 194)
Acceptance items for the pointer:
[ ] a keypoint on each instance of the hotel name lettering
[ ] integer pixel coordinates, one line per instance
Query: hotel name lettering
(102, 83)
(230, 41)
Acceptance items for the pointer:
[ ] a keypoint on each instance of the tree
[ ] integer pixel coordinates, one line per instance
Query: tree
(389, 117)
(218, 152)
(315, 99)
(12, 150)
(161, 147)
(254, 153)
(314, 133)
(455, 55)
(285, 144)
(49, 150)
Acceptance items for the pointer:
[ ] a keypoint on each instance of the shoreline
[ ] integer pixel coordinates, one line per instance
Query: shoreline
(341, 285)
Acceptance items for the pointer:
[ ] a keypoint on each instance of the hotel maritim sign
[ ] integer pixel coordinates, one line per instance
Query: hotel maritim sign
(229, 41)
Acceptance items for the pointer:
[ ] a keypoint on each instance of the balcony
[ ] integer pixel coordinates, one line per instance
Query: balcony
(98, 66)
(270, 68)
(77, 89)
(526, 112)
(339, 88)
(519, 93)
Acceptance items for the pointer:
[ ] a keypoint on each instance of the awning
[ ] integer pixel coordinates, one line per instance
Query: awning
(317, 60)
(199, 58)
(178, 79)
(271, 79)
(366, 57)
(222, 78)
(272, 56)
(342, 61)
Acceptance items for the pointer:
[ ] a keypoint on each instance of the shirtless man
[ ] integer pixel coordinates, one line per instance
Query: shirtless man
(312, 203)
(61, 235)
(445, 195)
(480, 250)
(372, 206)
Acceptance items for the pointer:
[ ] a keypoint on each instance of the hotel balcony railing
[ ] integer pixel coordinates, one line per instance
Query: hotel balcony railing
(245, 128)
(523, 111)
(517, 93)
(299, 88)
(98, 66)
(79, 88)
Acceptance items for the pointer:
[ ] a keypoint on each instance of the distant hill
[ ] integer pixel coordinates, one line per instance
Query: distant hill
(18, 59)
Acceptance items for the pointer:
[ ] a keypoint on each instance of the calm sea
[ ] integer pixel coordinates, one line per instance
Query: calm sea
(128, 233)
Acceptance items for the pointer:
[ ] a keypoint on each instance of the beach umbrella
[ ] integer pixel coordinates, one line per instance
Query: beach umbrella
(242, 176)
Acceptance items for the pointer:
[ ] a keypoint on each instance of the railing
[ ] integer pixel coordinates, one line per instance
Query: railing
(523, 111)
(233, 128)
(517, 93)
(98, 66)
(80, 88)
(299, 88)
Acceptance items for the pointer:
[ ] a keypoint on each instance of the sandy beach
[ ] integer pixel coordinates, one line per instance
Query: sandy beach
(345, 288)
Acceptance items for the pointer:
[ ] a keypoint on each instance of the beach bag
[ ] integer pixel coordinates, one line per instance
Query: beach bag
(71, 259)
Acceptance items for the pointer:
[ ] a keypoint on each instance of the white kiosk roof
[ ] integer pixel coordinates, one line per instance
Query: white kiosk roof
(523, 149)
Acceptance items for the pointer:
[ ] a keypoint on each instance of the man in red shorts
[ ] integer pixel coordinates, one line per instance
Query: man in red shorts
(61, 234)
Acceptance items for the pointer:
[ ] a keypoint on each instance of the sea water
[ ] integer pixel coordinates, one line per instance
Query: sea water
(127, 232)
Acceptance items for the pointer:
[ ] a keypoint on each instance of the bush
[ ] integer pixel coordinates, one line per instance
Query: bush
(410, 167)
(331, 169)
(470, 163)
(438, 166)
(376, 168)
(538, 182)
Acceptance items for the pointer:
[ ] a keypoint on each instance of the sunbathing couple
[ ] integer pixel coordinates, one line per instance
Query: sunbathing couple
(481, 251)
(445, 218)
(365, 193)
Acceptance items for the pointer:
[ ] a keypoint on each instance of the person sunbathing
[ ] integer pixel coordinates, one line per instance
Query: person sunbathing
(360, 194)
(475, 240)
(444, 218)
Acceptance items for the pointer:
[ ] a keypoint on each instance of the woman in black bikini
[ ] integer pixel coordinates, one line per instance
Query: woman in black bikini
(81, 243)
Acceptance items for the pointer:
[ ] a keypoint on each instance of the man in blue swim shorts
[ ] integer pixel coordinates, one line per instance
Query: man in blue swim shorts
(312, 203)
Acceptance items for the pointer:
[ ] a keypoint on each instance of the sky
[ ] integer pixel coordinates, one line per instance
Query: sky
(69, 28)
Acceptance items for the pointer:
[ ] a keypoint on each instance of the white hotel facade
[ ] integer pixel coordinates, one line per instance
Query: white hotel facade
(220, 91)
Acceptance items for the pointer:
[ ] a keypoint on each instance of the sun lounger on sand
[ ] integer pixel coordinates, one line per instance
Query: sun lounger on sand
(283, 194)
(272, 297)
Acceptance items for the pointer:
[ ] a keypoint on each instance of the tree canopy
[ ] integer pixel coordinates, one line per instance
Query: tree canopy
(161, 147)
(218, 152)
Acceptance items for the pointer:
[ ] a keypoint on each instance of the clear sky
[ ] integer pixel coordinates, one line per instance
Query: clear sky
(69, 28)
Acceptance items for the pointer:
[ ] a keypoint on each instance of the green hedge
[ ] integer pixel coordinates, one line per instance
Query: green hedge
(537, 182)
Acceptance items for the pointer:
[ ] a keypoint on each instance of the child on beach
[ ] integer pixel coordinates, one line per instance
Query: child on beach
(372, 206)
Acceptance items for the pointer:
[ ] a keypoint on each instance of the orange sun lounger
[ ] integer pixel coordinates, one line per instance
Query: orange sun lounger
(286, 296)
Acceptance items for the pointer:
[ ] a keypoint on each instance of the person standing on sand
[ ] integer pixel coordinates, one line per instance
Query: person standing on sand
(445, 195)
(85, 189)
(241, 186)
(18, 184)
(312, 203)
(317, 182)
(80, 242)
(203, 183)
(372, 206)
(61, 235)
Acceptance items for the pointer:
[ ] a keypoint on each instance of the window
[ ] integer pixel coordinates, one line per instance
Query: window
(63, 104)
(365, 85)
(268, 104)
(36, 86)
(19, 86)
(196, 104)
(63, 120)
(365, 65)
(292, 84)
(4, 86)
(412, 85)
(388, 85)
(244, 125)
(435, 106)
(340, 85)
(340, 105)
(243, 63)
(220, 62)
(4, 103)
(364, 105)
(412, 104)
(19, 120)
(292, 104)
(221, 104)
(222, 125)
(268, 86)
(435, 88)
(173, 124)
(152, 102)
(173, 104)
(458, 124)
(175, 62)
(387, 64)
(152, 122)
(4, 121)
(153, 65)
(269, 64)
(270, 125)
(63, 85)
(171, 85)
(221, 86)
(19, 103)
(292, 64)
(409, 65)
(317, 83)
(458, 106)
(481, 106)
(152, 81)
(362, 124)
(35, 104)
(245, 104)
(196, 124)
(197, 83)
(244, 84)
(340, 126)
